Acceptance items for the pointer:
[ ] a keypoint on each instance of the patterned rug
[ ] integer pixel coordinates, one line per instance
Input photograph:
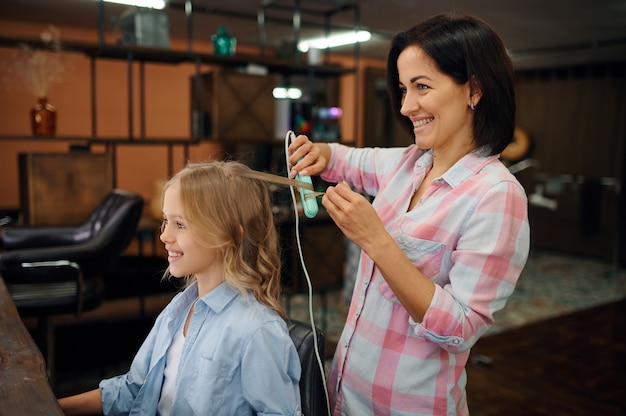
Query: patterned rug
(555, 284)
(552, 284)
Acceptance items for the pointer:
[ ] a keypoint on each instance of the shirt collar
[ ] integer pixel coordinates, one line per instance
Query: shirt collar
(218, 298)
(467, 166)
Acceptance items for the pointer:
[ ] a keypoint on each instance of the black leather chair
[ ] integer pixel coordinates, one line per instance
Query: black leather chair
(312, 386)
(52, 270)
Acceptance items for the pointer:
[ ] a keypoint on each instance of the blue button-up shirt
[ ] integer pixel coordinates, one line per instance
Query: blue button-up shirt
(237, 359)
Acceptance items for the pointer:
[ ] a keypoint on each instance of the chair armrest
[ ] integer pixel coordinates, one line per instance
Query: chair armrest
(91, 256)
(50, 271)
(17, 238)
(47, 279)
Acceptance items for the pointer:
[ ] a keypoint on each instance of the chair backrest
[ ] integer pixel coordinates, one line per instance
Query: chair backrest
(114, 223)
(312, 390)
(93, 244)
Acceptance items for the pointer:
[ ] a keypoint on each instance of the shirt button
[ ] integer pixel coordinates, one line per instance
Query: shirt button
(456, 341)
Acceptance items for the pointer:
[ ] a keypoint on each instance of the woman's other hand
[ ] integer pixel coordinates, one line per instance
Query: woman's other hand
(354, 215)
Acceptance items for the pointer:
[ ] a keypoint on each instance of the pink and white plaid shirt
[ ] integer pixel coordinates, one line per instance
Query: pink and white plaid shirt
(469, 234)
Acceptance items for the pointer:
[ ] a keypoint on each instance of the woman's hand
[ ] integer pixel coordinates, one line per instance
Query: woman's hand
(354, 215)
(307, 158)
(357, 219)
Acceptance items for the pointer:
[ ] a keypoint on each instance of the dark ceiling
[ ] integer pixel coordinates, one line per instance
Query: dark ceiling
(538, 33)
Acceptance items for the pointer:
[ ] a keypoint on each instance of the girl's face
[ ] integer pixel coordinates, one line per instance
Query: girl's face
(184, 254)
(437, 106)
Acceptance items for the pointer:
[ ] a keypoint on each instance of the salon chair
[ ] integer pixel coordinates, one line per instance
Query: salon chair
(312, 387)
(53, 270)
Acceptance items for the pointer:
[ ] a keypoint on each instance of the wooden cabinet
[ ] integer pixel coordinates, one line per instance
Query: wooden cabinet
(62, 188)
(233, 106)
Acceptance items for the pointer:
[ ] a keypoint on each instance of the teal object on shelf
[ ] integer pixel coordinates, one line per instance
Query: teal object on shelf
(223, 43)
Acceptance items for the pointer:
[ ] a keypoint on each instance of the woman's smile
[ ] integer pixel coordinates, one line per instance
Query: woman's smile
(422, 122)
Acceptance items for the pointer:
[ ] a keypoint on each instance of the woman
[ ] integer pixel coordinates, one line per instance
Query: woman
(447, 235)
(222, 345)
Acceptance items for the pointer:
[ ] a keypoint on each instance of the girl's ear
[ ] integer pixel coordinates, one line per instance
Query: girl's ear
(476, 92)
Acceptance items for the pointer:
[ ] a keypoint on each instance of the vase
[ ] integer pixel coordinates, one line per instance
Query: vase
(223, 43)
(43, 118)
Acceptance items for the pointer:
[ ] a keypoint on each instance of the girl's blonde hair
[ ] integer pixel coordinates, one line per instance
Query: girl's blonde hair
(227, 206)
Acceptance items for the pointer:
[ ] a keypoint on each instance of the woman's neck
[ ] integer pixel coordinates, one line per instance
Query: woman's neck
(444, 159)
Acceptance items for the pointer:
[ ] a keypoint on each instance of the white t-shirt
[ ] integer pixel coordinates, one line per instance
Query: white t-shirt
(172, 361)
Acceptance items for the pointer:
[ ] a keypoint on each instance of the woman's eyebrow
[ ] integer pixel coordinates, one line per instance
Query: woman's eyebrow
(418, 77)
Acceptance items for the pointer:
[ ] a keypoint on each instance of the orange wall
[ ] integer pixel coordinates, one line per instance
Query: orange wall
(138, 167)
(167, 106)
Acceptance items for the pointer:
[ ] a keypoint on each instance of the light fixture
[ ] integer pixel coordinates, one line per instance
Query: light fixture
(290, 93)
(151, 4)
(331, 41)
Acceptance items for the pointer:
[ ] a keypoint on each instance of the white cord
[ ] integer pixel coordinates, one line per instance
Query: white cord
(306, 273)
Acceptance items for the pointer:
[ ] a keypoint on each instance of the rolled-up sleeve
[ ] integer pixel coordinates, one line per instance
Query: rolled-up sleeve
(484, 268)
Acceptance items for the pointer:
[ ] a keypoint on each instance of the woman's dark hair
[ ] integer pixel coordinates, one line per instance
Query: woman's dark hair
(464, 47)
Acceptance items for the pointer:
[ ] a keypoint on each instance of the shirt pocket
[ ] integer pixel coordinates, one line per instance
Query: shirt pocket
(426, 256)
(207, 390)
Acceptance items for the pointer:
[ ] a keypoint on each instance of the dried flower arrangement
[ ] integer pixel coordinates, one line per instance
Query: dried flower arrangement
(40, 68)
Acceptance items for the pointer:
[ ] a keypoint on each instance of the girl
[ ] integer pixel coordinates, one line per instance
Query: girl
(221, 347)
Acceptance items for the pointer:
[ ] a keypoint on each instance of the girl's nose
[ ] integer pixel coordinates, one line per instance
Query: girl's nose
(164, 235)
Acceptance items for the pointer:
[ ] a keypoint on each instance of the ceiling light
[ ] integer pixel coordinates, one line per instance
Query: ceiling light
(291, 93)
(334, 40)
(152, 4)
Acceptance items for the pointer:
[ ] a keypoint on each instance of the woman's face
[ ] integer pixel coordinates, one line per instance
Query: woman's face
(436, 105)
(184, 254)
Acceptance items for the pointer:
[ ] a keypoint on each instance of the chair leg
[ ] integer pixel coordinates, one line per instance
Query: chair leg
(287, 299)
(324, 301)
(47, 339)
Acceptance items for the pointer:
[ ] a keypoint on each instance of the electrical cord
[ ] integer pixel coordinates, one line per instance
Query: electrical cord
(288, 136)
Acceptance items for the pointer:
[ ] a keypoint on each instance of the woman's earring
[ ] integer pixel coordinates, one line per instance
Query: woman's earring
(472, 106)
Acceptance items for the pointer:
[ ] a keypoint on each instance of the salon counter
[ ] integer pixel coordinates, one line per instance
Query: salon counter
(24, 388)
